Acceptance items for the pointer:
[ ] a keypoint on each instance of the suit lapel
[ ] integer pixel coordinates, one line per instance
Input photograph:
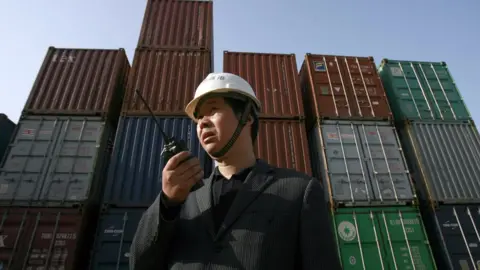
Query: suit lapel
(204, 200)
(255, 183)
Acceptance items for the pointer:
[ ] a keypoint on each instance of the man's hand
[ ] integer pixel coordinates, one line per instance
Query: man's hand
(179, 175)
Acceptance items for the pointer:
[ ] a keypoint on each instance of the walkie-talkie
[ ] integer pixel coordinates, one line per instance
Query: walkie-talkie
(171, 146)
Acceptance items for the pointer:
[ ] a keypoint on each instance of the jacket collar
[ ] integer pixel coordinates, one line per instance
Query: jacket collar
(257, 180)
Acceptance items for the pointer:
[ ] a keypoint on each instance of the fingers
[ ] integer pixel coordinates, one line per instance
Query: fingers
(176, 160)
(190, 173)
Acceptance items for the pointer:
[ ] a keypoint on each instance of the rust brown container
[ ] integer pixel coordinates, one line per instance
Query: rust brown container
(167, 79)
(342, 87)
(45, 238)
(274, 78)
(177, 24)
(79, 81)
(283, 143)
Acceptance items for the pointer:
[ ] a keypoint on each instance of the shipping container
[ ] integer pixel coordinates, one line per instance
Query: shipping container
(80, 81)
(167, 79)
(454, 233)
(56, 161)
(45, 238)
(114, 236)
(445, 160)
(177, 24)
(283, 143)
(422, 91)
(361, 163)
(7, 127)
(135, 173)
(334, 88)
(382, 238)
(274, 78)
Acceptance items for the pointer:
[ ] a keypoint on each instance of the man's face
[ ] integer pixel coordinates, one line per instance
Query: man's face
(216, 124)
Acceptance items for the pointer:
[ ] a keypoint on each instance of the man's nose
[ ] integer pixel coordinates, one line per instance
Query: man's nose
(203, 123)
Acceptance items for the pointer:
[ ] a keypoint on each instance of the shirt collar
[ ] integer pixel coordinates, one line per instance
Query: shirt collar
(241, 175)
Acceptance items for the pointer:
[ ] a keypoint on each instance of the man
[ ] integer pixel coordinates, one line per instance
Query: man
(248, 214)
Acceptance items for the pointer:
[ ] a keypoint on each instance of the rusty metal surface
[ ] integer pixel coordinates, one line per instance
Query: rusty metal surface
(283, 143)
(45, 238)
(177, 24)
(167, 79)
(335, 88)
(79, 81)
(274, 78)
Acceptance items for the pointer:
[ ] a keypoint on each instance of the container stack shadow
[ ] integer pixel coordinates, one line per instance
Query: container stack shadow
(53, 171)
(174, 54)
(356, 152)
(442, 146)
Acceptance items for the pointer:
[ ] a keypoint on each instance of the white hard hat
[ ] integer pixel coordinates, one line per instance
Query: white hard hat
(221, 83)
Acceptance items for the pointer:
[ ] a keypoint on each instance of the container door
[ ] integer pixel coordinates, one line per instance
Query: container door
(26, 163)
(74, 161)
(329, 87)
(404, 240)
(460, 230)
(366, 92)
(409, 92)
(346, 169)
(386, 165)
(115, 234)
(358, 240)
(444, 98)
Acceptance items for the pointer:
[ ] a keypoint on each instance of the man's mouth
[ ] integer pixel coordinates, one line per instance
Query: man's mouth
(206, 135)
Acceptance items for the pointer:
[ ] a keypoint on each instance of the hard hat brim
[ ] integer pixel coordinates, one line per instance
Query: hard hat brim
(192, 105)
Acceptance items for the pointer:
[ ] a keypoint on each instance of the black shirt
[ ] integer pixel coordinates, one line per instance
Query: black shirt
(223, 194)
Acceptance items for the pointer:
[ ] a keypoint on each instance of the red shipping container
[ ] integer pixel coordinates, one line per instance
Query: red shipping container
(80, 81)
(283, 143)
(334, 88)
(28, 242)
(177, 24)
(167, 79)
(274, 78)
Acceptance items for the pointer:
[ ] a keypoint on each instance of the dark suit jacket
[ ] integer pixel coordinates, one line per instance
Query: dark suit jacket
(278, 220)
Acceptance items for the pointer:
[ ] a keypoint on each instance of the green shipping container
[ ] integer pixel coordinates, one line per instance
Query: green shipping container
(382, 238)
(422, 91)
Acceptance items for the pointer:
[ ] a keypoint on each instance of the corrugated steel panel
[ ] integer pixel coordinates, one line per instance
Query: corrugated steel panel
(445, 158)
(334, 88)
(135, 173)
(56, 160)
(167, 79)
(382, 238)
(422, 91)
(274, 78)
(177, 24)
(454, 234)
(45, 238)
(115, 233)
(361, 162)
(7, 127)
(80, 81)
(283, 143)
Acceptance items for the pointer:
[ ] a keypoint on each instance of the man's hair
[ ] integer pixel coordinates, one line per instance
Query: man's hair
(238, 107)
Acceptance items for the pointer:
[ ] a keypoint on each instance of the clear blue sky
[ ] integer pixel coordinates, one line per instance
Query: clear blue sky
(429, 30)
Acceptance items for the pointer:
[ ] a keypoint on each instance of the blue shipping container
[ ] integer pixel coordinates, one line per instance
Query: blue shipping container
(6, 130)
(114, 236)
(135, 173)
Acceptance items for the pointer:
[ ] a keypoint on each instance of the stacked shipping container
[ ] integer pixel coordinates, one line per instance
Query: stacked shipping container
(443, 149)
(355, 150)
(173, 55)
(282, 139)
(53, 171)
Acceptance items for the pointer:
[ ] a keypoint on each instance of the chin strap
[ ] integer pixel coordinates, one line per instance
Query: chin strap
(241, 124)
